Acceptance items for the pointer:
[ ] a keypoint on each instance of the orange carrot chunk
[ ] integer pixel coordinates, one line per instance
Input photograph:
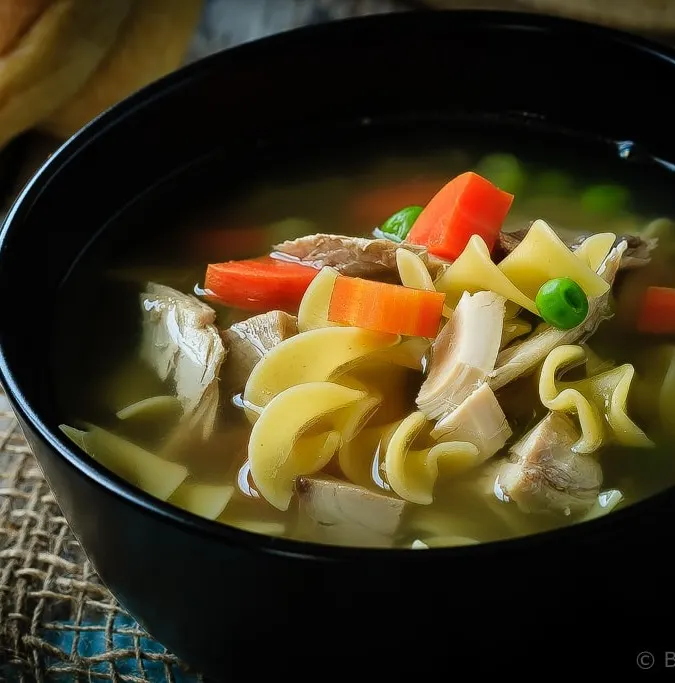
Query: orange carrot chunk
(468, 205)
(657, 311)
(383, 307)
(262, 284)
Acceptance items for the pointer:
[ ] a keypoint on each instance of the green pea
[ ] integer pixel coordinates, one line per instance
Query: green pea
(605, 199)
(398, 226)
(503, 170)
(562, 303)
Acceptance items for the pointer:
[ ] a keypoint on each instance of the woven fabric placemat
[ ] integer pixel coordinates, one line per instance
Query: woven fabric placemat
(57, 621)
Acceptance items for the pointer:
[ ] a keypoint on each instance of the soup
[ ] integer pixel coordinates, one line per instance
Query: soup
(447, 348)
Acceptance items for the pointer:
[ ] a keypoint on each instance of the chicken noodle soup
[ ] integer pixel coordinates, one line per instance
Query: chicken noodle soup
(462, 367)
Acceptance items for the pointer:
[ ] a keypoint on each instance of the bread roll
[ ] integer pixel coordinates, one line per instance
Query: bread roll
(16, 17)
(51, 47)
(152, 42)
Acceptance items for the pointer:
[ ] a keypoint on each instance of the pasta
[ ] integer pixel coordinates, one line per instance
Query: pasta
(521, 359)
(456, 403)
(349, 421)
(594, 249)
(304, 358)
(594, 363)
(412, 270)
(414, 273)
(372, 440)
(598, 401)
(204, 500)
(313, 311)
(543, 256)
(409, 353)
(412, 473)
(280, 450)
(141, 468)
(475, 271)
(513, 329)
(150, 409)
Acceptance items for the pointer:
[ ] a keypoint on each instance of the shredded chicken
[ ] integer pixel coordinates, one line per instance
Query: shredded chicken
(353, 256)
(638, 250)
(546, 475)
(479, 420)
(340, 513)
(523, 358)
(249, 340)
(464, 353)
(181, 343)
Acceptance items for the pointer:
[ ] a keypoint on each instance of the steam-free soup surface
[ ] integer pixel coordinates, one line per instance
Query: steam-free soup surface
(473, 368)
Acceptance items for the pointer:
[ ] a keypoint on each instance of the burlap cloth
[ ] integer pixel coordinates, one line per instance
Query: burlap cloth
(57, 621)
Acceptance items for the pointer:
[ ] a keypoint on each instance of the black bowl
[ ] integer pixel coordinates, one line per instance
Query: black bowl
(238, 605)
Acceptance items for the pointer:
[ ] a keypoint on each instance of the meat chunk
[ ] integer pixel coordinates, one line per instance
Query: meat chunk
(479, 420)
(183, 346)
(353, 256)
(522, 359)
(638, 250)
(464, 353)
(546, 475)
(249, 340)
(338, 513)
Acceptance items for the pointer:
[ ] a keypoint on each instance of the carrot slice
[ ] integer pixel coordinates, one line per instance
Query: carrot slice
(657, 311)
(383, 307)
(468, 205)
(262, 284)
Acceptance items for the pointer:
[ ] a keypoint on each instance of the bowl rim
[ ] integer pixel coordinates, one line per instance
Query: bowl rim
(10, 377)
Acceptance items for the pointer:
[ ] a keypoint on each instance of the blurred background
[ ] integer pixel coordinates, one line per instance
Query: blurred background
(62, 62)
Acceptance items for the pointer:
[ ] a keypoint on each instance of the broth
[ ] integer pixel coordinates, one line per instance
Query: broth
(98, 370)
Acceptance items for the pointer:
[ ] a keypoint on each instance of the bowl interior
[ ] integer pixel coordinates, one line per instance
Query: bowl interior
(210, 131)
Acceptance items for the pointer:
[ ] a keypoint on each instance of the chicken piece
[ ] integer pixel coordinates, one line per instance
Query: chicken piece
(522, 359)
(546, 475)
(249, 340)
(638, 250)
(463, 354)
(354, 256)
(182, 344)
(339, 513)
(479, 420)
